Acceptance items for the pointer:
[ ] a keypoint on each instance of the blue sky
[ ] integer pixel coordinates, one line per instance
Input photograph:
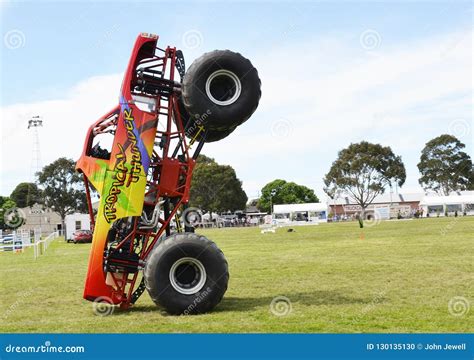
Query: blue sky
(323, 86)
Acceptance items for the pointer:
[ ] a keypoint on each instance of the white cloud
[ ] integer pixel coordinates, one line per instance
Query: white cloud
(400, 96)
(333, 92)
(65, 125)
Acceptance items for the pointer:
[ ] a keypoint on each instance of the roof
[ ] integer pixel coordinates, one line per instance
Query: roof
(411, 197)
(207, 216)
(286, 208)
(251, 209)
(76, 216)
(386, 198)
(451, 199)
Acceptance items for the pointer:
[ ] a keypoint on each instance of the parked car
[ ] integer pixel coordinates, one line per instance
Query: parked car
(7, 242)
(82, 236)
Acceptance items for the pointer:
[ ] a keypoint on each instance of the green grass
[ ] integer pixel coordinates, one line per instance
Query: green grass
(397, 276)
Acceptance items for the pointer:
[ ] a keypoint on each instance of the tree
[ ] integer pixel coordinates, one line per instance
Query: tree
(6, 208)
(471, 179)
(444, 167)
(216, 187)
(281, 192)
(26, 194)
(253, 202)
(363, 171)
(63, 188)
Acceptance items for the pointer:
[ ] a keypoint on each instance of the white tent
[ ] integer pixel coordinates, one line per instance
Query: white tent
(207, 216)
(451, 199)
(286, 208)
(300, 213)
(439, 205)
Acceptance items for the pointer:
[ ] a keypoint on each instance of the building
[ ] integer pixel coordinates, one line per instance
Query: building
(461, 203)
(387, 206)
(254, 215)
(75, 222)
(38, 217)
(309, 213)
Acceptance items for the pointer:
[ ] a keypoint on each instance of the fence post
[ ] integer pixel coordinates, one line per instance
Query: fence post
(37, 237)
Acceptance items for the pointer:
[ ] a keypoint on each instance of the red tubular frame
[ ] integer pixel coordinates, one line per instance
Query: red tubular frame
(168, 177)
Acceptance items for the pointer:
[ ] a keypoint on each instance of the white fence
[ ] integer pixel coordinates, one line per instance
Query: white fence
(18, 241)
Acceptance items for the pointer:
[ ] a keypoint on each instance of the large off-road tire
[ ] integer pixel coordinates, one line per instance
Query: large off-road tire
(223, 86)
(186, 274)
(197, 129)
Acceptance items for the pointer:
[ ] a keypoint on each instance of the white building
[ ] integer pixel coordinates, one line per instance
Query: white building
(300, 213)
(75, 222)
(463, 203)
(386, 206)
(39, 217)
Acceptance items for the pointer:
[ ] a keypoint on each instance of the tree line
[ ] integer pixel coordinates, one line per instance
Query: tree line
(361, 171)
(59, 187)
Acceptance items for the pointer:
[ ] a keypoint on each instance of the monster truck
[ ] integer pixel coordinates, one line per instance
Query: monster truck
(139, 159)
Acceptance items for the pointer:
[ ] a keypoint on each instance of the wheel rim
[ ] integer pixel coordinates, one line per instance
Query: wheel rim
(223, 87)
(187, 275)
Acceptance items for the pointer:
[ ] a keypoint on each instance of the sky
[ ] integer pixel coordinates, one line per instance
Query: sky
(333, 73)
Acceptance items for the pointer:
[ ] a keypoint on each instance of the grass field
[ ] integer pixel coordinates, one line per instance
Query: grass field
(398, 276)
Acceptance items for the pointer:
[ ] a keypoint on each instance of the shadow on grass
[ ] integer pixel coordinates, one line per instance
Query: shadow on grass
(244, 304)
(313, 298)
